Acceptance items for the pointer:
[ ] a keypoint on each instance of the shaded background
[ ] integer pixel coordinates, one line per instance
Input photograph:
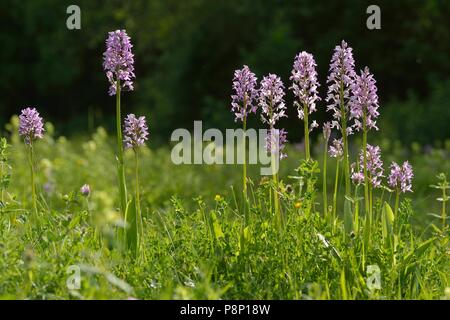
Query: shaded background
(186, 52)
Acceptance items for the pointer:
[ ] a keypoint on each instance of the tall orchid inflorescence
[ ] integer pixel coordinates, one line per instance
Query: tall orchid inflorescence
(276, 141)
(340, 79)
(364, 101)
(374, 164)
(31, 128)
(371, 173)
(245, 93)
(135, 134)
(400, 178)
(357, 175)
(271, 100)
(364, 109)
(304, 86)
(118, 62)
(243, 103)
(337, 149)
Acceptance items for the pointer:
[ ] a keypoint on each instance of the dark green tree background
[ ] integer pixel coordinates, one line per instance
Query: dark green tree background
(186, 52)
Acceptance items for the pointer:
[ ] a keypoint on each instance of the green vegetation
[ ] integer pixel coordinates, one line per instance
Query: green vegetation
(198, 241)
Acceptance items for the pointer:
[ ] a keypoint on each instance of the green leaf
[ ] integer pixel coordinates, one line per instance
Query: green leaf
(384, 229)
(131, 233)
(419, 250)
(74, 222)
(216, 227)
(387, 210)
(437, 216)
(343, 285)
(247, 234)
(387, 222)
(348, 216)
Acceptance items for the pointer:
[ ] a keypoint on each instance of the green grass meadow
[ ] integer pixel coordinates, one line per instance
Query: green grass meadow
(201, 240)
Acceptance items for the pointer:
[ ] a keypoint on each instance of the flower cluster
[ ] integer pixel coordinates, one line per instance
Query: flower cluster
(31, 126)
(342, 74)
(304, 83)
(272, 145)
(357, 175)
(271, 99)
(336, 149)
(85, 190)
(314, 125)
(244, 86)
(135, 131)
(401, 177)
(118, 61)
(374, 164)
(364, 101)
(327, 130)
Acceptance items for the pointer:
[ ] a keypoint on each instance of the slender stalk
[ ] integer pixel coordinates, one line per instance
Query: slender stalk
(382, 196)
(275, 192)
(324, 183)
(244, 167)
(139, 225)
(33, 183)
(345, 140)
(120, 165)
(366, 178)
(356, 220)
(2, 173)
(274, 171)
(336, 181)
(444, 216)
(397, 198)
(88, 209)
(305, 119)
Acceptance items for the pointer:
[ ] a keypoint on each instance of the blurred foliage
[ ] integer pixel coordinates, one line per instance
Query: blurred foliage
(416, 121)
(186, 52)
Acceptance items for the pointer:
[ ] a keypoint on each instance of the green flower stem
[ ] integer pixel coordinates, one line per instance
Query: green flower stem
(397, 198)
(244, 149)
(336, 181)
(345, 140)
(305, 119)
(366, 177)
(274, 173)
(139, 224)
(275, 192)
(33, 183)
(324, 183)
(120, 165)
(356, 216)
(2, 191)
(443, 214)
